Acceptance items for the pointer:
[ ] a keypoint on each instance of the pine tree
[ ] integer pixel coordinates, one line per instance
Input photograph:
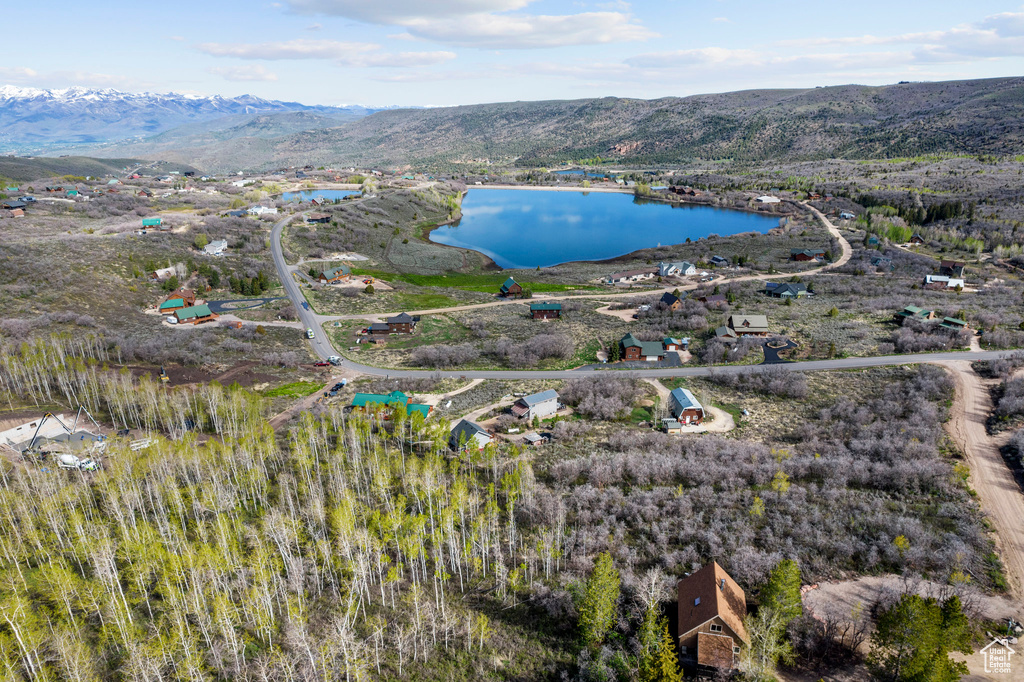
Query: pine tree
(660, 662)
(599, 606)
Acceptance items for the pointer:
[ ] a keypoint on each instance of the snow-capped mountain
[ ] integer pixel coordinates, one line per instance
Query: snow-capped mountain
(34, 118)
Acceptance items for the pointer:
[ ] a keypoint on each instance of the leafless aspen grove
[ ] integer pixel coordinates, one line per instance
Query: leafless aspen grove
(357, 547)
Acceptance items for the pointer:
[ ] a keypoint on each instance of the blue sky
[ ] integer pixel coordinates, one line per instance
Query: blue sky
(443, 52)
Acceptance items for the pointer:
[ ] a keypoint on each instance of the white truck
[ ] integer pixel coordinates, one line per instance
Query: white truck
(309, 333)
(71, 462)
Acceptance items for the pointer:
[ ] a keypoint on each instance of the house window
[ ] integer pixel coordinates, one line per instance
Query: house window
(716, 628)
(736, 650)
(696, 602)
(682, 650)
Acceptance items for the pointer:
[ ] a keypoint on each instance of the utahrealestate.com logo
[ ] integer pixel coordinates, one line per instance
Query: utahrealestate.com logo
(997, 656)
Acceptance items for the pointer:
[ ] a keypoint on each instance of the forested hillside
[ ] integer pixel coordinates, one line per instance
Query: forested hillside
(979, 116)
(356, 547)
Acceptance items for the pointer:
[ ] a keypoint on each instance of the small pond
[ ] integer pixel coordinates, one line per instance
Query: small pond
(531, 228)
(329, 194)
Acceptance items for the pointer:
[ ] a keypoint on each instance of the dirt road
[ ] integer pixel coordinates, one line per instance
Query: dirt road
(998, 492)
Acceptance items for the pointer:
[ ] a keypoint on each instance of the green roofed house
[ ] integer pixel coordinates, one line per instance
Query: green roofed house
(335, 275)
(170, 305)
(954, 323)
(72, 193)
(511, 289)
(912, 312)
(152, 222)
(197, 314)
(545, 311)
(393, 399)
(634, 349)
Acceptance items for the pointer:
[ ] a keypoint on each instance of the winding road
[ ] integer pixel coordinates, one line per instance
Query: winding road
(321, 345)
(998, 492)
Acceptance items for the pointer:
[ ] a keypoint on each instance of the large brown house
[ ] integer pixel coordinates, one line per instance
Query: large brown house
(711, 611)
(403, 323)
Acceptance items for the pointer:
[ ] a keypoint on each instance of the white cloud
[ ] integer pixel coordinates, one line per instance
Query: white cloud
(508, 31)
(254, 72)
(485, 23)
(722, 20)
(342, 53)
(399, 12)
(17, 74)
(314, 27)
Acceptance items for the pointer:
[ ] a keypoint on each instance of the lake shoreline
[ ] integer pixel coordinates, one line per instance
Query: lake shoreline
(549, 231)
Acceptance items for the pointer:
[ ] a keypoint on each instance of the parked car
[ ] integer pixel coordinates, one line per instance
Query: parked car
(321, 363)
(309, 333)
(305, 304)
(334, 360)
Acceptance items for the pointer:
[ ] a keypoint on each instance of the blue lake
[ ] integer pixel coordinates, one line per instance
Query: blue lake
(530, 228)
(329, 194)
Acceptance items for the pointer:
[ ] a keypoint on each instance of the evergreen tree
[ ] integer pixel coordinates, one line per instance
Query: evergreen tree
(782, 591)
(661, 662)
(914, 637)
(599, 605)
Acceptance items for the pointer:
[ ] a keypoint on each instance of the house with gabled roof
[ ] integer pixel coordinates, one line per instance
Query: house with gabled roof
(545, 310)
(954, 323)
(719, 261)
(469, 435)
(335, 275)
(785, 289)
(630, 276)
(675, 344)
(916, 239)
(402, 323)
(726, 334)
(685, 407)
(671, 301)
(883, 263)
(912, 312)
(511, 289)
(807, 254)
(537, 405)
(679, 269)
(197, 314)
(952, 268)
(369, 401)
(634, 349)
(711, 612)
(749, 325)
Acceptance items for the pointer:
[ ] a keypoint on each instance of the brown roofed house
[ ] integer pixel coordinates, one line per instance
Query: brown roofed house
(711, 611)
(952, 268)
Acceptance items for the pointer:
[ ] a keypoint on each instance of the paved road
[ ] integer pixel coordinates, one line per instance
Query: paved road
(323, 348)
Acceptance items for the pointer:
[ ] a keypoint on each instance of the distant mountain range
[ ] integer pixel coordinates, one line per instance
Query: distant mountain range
(32, 120)
(853, 121)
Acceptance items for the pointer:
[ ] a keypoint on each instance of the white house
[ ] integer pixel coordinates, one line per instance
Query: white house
(216, 248)
(241, 183)
(537, 405)
(767, 199)
(942, 282)
(630, 276)
(680, 269)
(263, 210)
(469, 435)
